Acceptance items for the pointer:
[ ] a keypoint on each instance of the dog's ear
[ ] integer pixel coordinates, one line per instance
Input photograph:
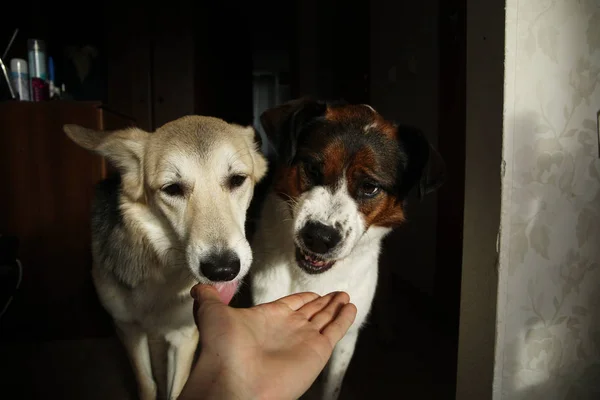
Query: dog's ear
(123, 148)
(283, 124)
(423, 166)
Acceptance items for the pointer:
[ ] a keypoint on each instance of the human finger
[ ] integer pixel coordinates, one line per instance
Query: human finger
(205, 294)
(196, 308)
(338, 327)
(310, 309)
(327, 314)
(297, 300)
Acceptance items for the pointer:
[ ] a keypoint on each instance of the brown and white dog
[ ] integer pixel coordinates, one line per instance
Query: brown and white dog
(338, 188)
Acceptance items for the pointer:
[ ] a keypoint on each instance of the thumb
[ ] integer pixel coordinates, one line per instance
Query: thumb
(203, 293)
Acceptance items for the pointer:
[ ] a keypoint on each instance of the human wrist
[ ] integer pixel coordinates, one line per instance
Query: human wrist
(210, 379)
(204, 379)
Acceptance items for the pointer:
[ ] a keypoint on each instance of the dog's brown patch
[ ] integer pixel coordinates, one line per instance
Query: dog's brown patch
(383, 210)
(334, 156)
(364, 161)
(385, 127)
(348, 113)
(288, 182)
(370, 119)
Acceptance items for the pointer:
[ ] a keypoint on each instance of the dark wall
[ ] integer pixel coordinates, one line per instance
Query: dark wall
(185, 58)
(74, 38)
(224, 61)
(405, 87)
(332, 50)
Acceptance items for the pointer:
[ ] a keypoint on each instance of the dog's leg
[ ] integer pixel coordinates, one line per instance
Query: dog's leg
(138, 350)
(180, 357)
(338, 364)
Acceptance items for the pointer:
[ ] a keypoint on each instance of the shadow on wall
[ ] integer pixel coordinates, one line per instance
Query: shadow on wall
(551, 324)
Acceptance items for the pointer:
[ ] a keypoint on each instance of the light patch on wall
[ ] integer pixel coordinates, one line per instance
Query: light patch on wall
(548, 343)
(598, 131)
(536, 350)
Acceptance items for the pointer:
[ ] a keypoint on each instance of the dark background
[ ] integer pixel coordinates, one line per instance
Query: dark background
(157, 62)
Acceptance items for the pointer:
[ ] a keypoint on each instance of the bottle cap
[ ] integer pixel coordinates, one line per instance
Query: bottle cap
(18, 65)
(36, 45)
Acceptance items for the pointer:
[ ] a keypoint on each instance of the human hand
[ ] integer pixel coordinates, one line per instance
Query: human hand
(271, 351)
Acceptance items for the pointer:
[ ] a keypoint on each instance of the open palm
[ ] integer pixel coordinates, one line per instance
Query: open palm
(273, 350)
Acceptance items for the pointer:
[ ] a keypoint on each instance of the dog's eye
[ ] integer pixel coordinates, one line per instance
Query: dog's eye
(369, 189)
(313, 171)
(173, 189)
(236, 181)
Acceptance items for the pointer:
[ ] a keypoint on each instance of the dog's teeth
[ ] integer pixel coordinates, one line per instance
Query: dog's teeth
(314, 261)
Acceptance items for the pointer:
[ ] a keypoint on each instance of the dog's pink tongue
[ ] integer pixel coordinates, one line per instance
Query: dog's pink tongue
(226, 290)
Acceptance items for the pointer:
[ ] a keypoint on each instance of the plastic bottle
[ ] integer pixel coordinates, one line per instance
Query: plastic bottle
(37, 70)
(51, 86)
(20, 78)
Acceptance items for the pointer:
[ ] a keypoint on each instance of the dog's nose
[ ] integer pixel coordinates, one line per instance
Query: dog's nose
(319, 238)
(220, 267)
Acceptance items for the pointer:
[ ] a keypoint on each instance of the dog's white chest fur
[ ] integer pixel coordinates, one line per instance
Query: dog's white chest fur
(158, 305)
(275, 274)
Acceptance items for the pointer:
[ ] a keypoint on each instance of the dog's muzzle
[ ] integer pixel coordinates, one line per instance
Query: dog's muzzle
(317, 241)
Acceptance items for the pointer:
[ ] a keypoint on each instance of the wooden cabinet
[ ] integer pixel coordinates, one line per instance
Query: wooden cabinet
(47, 187)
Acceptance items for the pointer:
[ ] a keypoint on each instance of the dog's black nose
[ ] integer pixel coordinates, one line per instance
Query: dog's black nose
(319, 238)
(220, 267)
